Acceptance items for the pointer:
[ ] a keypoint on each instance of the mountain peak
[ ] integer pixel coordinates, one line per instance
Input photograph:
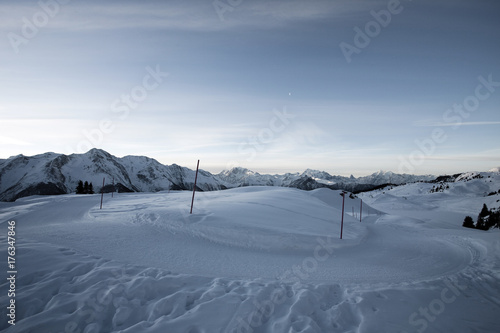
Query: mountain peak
(383, 173)
(15, 156)
(98, 152)
(316, 173)
(238, 171)
(312, 171)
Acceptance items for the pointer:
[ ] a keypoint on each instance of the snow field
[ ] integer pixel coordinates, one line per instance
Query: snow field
(254, 259)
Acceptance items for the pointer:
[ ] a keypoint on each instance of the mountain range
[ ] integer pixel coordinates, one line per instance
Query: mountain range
(51, 173)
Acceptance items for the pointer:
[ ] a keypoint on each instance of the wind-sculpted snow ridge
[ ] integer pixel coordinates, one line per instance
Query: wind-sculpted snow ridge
(254, 259)
(102, 296)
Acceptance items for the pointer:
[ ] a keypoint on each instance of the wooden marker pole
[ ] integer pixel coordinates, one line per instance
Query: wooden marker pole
(102, 190)
(194, 188)
(342, 221)
(360, 210)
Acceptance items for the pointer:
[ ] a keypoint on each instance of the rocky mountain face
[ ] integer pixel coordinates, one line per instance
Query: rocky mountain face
(52, 173)
(312, 179)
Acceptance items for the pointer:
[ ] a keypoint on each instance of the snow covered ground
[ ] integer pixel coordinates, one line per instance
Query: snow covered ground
(254, 259)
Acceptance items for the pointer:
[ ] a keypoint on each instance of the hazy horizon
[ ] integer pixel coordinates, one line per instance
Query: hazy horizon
(272, 171)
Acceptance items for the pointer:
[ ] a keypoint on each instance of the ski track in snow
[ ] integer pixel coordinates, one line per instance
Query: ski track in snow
(247, 260)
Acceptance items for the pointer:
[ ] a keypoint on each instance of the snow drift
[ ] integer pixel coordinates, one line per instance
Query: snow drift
(256, 259)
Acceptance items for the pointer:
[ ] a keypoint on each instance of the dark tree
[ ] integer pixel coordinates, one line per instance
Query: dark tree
(86, 187)
(495, 219)
(484, 212)
(91, 188)
(468, 222)
(481, 222)
(79, 188)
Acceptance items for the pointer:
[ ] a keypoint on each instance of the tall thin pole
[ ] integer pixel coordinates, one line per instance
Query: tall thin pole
(194, 187)
(360, 210)
(102, 190)
(342, 222)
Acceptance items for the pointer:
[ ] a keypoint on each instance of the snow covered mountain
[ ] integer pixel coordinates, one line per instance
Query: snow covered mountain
(52, 173)
(312, 179)
(244, 177)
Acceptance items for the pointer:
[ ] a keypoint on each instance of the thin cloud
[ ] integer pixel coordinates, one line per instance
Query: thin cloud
(469, 123)
(201, 16)
(483, 156)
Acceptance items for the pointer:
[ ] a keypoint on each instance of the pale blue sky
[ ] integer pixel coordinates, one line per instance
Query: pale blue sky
(268, 87)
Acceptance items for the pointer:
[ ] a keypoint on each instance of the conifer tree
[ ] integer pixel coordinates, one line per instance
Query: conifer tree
(79, 188)
(484, 212)
(86, 187)
(91, 188)
(481, 222)
(468, 222)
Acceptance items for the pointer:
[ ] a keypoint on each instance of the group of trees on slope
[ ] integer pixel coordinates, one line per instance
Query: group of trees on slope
(486, 219)
(84, 188)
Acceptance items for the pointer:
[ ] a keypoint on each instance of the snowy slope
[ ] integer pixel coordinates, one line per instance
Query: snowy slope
(446, 207)
(52, 173)
(256, 259)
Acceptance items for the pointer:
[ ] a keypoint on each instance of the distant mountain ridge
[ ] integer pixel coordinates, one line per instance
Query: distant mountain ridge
(311, 179)
(52, 173)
